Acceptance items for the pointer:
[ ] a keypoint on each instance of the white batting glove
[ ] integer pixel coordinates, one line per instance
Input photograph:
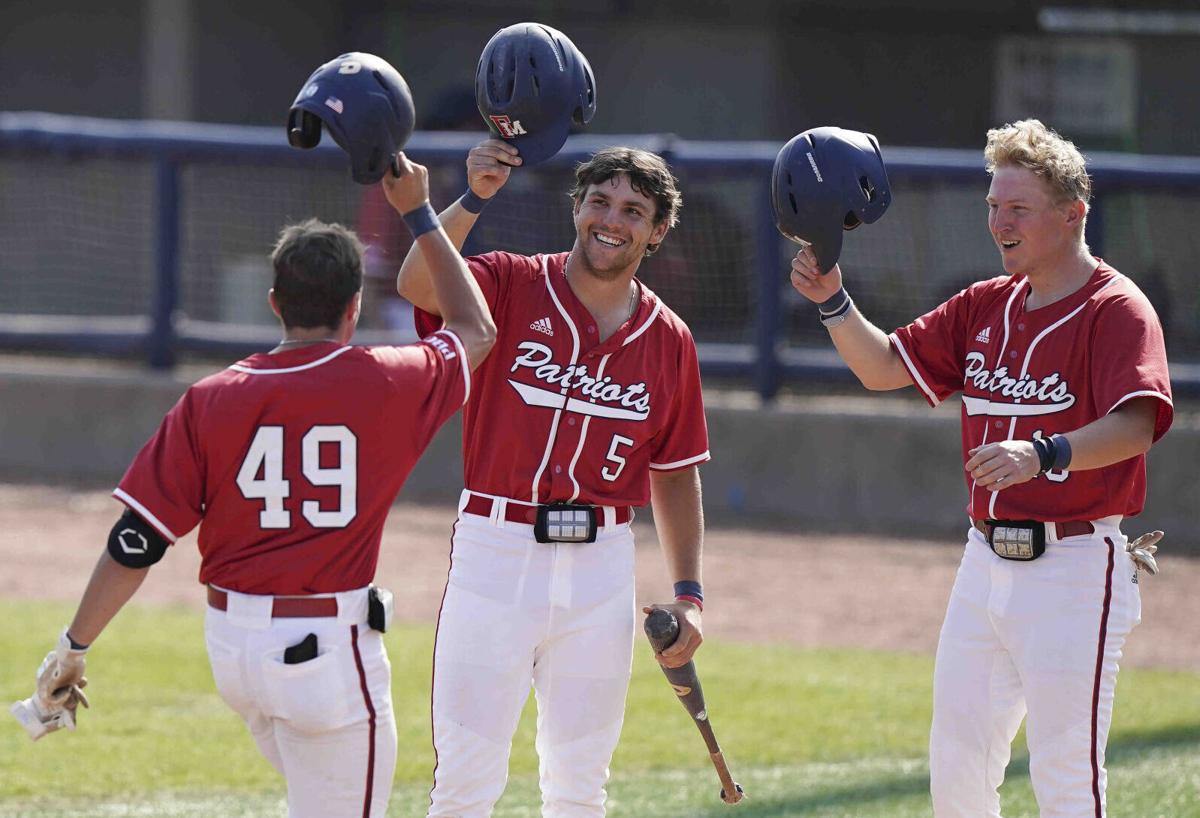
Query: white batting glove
(1143, 549)
(59, 692)
(37, 723)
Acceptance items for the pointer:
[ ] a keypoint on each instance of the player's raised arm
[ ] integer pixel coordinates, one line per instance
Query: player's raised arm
(451, 284)
(488, 166)
(863, 346)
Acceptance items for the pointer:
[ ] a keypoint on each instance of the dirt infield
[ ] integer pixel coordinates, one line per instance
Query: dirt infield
(761, 586)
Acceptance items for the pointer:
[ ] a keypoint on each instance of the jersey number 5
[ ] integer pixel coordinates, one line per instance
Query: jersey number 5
(265, 457)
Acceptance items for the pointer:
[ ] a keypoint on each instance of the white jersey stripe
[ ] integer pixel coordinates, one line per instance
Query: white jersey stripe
(583, 430)
(654, 314)
(912, 369)
(678, 464)
(250, 371)
(1145, 393)
(144, 513)
(537, 477)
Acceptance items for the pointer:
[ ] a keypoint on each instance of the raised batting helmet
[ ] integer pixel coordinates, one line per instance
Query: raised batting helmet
(827, 181)
(365, 105)
(530, 85)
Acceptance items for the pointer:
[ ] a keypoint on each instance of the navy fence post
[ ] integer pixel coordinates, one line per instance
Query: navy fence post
(160, 346)
(767, 370)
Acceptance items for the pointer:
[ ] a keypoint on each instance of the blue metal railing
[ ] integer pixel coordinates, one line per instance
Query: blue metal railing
(762, 362)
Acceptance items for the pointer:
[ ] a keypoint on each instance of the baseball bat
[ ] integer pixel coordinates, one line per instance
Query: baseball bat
(662, 629)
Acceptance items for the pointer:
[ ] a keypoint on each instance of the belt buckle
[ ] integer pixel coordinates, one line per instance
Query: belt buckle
(563, 522)
(1021, 540)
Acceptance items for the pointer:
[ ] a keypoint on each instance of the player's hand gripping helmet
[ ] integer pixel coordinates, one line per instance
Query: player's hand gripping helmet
(826, 181)
(530, 85)
(365, 105)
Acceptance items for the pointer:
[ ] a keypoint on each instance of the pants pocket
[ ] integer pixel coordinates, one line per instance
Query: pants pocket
(313, 696)
(228, 675)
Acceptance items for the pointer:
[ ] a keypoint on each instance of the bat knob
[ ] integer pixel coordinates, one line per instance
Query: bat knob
(734, 797)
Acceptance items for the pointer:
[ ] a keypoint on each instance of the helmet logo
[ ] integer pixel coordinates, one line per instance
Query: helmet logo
(509, 128)
(310, 91)
(813, 162)
(335, 104)
(350, 67)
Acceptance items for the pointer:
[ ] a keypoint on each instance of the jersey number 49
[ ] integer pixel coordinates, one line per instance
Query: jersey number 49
(265, 458)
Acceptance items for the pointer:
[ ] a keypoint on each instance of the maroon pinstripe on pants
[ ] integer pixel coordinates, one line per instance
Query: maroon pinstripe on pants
(362, 682)
(1096, 683)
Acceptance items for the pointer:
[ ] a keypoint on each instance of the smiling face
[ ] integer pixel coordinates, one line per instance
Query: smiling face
(1035, 232)
(614, 224)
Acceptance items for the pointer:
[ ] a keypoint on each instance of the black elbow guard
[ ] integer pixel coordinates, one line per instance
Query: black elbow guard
(134, 543)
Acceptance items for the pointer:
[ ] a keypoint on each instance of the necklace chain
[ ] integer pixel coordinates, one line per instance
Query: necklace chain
(300, 341)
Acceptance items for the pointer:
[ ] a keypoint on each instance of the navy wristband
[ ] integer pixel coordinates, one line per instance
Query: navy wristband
(689, 587)
(1046, 451)
(422, 220)
(836, 304)
(472, 203)
(1062, 452)
(75, 645)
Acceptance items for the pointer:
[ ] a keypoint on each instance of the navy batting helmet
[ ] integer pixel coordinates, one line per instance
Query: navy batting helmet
(826, 181)
(530, 85)
(365, 105)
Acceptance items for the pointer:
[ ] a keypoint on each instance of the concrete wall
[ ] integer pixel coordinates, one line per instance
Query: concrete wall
(870, 463)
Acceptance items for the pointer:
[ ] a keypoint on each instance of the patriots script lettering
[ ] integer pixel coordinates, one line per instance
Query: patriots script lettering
(538, 357)
(1052, 390)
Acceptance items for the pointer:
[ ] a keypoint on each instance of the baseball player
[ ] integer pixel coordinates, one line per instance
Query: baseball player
(289, 461)
(1063, 375)
(590, 405)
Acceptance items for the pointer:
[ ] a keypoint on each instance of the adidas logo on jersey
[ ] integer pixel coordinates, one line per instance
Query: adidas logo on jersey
(543, 326)
(984, 335)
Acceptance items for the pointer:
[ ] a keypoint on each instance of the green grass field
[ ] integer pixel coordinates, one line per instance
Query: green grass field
(808, 733)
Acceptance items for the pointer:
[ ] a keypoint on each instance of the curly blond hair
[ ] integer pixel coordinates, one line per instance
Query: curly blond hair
(1030, 144)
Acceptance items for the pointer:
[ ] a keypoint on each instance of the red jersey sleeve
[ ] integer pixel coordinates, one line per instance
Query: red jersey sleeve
(165, 483)
(683, 440)
(932, 348)
(491, 270)
(1129, 358)
(447, 359)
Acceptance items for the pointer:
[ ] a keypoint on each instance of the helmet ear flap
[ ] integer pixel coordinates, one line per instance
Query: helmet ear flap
(304, 129)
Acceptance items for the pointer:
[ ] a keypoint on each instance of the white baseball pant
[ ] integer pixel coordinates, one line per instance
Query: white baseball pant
(516, 612)
(326, 724)
(1038, 640)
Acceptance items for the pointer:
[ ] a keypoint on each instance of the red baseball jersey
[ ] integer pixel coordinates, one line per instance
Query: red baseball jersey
(290, 462)
(557, 416)
(1025, 373)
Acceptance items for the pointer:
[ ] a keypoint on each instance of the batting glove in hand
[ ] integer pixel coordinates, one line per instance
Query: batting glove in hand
(59, 692)
(1142, 551)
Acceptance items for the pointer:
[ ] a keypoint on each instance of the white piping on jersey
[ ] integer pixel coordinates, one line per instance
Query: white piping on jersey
(583, 430)
(912, 370)
(462, 356)
(144, 512)
(537, 477)
(1012, 426)
(681, 463)
(633, 335)
(249, 371)
(999, 357)
(1145, 393)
